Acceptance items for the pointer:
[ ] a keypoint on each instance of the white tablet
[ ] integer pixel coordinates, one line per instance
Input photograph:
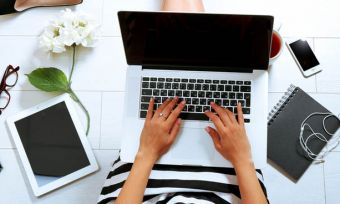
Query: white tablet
(52, 145)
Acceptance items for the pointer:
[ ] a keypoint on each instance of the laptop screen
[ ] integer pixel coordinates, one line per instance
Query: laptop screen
(237, 42)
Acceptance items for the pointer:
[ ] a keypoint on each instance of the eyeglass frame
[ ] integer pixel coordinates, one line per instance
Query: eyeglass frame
(4, 86)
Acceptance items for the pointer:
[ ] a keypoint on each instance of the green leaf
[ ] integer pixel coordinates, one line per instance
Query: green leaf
(49, 79)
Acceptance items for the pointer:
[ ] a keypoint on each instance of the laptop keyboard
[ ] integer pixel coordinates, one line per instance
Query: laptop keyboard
(198, 93)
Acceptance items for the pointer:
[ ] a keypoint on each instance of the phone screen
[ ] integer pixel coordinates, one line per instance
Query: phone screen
(304, 54)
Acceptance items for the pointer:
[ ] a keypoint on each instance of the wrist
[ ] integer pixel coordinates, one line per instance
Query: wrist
(243, 164)
(146, 158)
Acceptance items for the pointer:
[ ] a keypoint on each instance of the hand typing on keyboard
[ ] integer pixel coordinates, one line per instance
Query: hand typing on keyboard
(229, 137)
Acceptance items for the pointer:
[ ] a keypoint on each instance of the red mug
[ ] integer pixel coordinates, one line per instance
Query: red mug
(277, 46)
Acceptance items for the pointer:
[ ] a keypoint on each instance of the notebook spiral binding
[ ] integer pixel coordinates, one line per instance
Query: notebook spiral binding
(281, 104)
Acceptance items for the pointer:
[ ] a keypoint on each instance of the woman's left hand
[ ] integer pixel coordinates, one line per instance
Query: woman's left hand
(160, 129)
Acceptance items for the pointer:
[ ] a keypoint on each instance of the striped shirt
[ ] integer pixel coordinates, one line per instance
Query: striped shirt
(179, 184)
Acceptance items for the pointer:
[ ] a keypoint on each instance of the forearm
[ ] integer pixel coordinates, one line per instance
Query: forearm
(250, 188)
(134, 187)
(183, 5)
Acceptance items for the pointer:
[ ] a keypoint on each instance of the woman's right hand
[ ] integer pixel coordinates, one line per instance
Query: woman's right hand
(229, 137)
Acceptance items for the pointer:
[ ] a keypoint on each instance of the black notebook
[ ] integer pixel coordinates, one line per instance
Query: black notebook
(284, 124)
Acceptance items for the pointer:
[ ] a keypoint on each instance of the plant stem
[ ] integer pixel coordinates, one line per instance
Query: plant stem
(76, 99)
(73, 62)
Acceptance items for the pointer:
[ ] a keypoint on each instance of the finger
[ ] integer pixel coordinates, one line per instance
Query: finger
(150, 109)
(216, 120)
(214, 136)
(169, 107)
(231, 116)
(240, 114)
(175, 113)
(160, 108)
(221, 112)
(174, 131)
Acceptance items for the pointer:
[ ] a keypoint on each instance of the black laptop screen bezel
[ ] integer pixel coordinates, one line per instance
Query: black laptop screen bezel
(135, 52)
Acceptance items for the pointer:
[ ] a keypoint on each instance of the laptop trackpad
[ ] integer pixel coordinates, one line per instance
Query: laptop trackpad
(193, 144)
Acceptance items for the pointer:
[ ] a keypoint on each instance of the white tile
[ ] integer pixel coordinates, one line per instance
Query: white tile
(110, 20)
(32, 21)
(332, 177)
(285, 71)
(102, 68)
(22, 100)
(309, 189)
(17, 188)
(112, 120)
(327, 51)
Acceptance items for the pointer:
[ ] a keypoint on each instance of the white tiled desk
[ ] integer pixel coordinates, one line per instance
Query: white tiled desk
(99, 80)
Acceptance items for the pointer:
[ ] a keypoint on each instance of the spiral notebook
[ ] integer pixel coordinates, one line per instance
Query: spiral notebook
(284, 124)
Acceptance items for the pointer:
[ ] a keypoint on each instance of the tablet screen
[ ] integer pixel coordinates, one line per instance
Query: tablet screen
(51, 143)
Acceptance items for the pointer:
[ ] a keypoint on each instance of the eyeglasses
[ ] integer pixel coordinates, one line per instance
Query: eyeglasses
(8, 81)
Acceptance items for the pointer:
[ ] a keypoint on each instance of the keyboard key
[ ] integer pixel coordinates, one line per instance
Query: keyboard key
(175, 86)
(246, 110)
(167, 86)
(216, 81)
(193, 116)
(193, 94)
(142, 114)
(198, 109)
(201, 94)
(203, 101)
(192, 80)
(145, 85)
(144, 106)
(200, 81)
(208, 94)
(158, 99)
(239, 95)
(183, 86)
(161, 79)
(155, 92)
(147, 92)
(164, 92)
(188, 101)
(235, 110)
(195, 101)
(146, 79)
(225, 102)
(191, 108)
(186, 93)
(218, 101)
(171, 93)
(242, 102)
(247, 83)
(212, 87)
(233, 103)
(152, 85)
(190, 86)
(220, 88)
(177, 80)
(205, 87)
(153, 79)
(224, 82)
(247, 97)
(198, 87)
(246, 120)
(209, 101)
(164, 99)
(231, 82)
(231, 95)
(184, 80)
(239, 82)
(246, 88)
(224, 95)
(217, 95)
(227, 87)
(206, 108)
(179, 93)
(185, 109)
(207, 81)
(236, 88)
(168, 80)
(145, 98)
(160, 85)
(231, 109)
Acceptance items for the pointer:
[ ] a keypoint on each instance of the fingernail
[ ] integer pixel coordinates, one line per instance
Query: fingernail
(207, 129)
(206, 111)
(212, 103)
(179, 121)
(183, 102)
(176, 97)
(151, 99)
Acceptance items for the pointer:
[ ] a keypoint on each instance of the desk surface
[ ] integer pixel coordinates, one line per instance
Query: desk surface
(99, 80)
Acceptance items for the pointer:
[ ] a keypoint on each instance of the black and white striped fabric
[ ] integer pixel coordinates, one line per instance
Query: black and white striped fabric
(179, 184)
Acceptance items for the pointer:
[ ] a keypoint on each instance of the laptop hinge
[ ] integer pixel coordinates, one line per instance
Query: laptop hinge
(197, 68)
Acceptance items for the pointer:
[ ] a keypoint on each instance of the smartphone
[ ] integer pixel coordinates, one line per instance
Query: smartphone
(304, 57)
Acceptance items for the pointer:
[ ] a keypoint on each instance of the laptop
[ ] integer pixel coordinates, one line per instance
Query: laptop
(199, 58)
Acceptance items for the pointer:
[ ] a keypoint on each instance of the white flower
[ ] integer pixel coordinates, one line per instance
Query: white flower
(70, 29)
